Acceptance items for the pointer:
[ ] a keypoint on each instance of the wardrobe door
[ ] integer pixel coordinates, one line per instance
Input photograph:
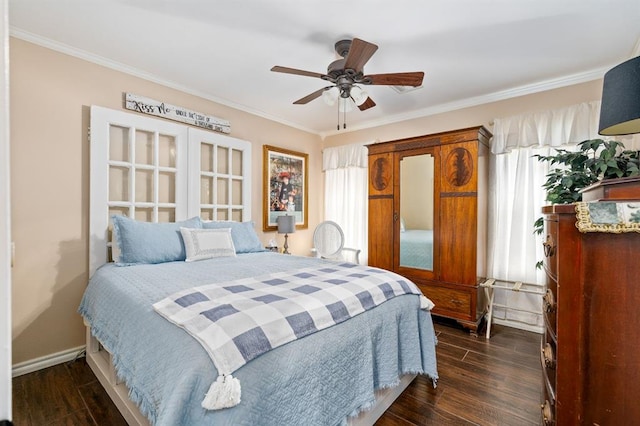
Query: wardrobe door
(416, 253)
(458, 240)
(381, 214)
(458, 213)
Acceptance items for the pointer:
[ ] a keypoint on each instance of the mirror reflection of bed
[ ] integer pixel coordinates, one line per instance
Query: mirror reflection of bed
(416, 248)
(416, 211)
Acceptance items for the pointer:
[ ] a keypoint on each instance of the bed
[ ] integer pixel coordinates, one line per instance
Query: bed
(416, 248)
(155, 371)
(321, 378)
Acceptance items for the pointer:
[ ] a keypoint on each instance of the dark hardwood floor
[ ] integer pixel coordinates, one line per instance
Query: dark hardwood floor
(482, 382)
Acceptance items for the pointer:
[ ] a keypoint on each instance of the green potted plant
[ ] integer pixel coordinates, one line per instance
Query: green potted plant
(596, 160)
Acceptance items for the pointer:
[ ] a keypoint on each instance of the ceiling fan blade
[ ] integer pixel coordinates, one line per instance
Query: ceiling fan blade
(396, 79)
(310, 97)
(296, 71)
(359, 53)
(367, 104)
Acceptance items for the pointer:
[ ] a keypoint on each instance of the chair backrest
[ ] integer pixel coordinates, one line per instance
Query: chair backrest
(328, 243)
(328, 239)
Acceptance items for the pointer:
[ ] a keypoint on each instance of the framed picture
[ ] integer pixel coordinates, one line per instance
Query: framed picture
(285, 186)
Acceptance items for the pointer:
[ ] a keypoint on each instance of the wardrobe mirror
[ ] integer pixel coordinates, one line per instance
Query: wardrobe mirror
(416, 211)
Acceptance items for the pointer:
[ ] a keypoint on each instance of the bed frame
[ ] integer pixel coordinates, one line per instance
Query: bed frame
(98, 358)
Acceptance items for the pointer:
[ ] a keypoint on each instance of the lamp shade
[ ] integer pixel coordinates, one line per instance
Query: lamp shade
(330, 96)
(286, 224)
(358, 95)
(620, 109)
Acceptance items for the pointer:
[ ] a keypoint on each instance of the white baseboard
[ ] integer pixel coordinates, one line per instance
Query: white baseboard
(519, 325)
(36, 364)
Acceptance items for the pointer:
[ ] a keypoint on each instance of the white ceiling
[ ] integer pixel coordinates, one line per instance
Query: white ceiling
(472, 51)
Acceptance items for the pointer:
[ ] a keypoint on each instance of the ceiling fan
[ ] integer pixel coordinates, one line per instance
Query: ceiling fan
(347, 73)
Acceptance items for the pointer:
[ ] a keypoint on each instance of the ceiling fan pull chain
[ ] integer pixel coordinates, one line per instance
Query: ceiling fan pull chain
(344, 120)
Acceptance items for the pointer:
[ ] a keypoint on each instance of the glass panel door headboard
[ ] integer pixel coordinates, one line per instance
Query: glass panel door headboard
(157, 170)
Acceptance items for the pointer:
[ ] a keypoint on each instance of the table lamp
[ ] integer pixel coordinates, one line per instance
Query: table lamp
(286, 225)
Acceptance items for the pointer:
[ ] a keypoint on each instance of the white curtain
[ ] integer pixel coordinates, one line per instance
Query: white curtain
(553, 128)
(516, 198)
(345, 193)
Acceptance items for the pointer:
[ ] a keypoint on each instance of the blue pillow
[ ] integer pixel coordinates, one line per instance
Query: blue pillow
(148, 242)
(244, 236)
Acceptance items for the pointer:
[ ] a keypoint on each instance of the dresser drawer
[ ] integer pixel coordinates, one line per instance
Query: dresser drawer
(548, 360)
(550, 306)
(550, 246)
(547, 413)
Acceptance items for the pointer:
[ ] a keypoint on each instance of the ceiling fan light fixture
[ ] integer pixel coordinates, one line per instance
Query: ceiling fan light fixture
(330, 96)
(358, 95)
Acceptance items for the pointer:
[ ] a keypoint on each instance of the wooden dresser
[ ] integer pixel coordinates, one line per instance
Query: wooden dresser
(591, 347)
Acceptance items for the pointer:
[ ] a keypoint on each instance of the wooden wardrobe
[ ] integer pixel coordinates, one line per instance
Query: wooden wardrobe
(428, 216)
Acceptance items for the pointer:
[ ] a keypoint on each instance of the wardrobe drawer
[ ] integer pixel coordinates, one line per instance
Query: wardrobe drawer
(448, 299)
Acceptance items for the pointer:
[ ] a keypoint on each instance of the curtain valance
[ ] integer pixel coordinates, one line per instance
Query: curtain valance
(570, 125)
(344, 156)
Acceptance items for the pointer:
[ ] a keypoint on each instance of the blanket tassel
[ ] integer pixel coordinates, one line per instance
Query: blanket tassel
(223, 393)
(426, 303)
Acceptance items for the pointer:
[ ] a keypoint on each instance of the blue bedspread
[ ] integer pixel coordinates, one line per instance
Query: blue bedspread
(316, 380)
(416, 248)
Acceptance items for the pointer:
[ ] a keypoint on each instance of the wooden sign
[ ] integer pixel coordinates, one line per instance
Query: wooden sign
(172, 112)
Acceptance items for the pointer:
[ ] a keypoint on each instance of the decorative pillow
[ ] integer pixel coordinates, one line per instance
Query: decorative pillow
(203, 244)
(148, 242)
(115, 250)
(403, 226)
(244, 235)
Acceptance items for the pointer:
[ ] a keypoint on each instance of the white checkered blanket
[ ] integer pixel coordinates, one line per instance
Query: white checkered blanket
(237, 321)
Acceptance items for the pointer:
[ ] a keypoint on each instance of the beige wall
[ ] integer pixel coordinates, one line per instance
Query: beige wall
(50, 97)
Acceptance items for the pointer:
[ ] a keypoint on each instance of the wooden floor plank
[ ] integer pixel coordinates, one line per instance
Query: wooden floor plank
(418, 412)
(481, 390)
(82, 417)
(101, 407)
(51, 394)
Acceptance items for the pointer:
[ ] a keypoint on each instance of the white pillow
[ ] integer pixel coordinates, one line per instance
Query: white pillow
(207, 243)
(115, 248)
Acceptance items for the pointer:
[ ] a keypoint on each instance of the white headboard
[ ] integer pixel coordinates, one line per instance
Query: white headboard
(160, 171)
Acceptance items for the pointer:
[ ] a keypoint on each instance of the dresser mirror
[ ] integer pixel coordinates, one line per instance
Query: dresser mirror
(416, 211)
